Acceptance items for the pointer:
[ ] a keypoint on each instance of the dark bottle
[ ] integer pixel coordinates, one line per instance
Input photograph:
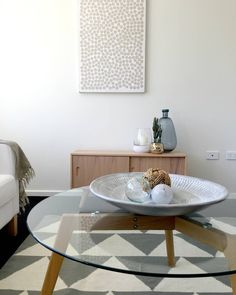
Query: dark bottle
(168, 136)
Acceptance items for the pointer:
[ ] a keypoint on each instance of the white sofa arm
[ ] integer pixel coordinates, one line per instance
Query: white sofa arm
(7, 160)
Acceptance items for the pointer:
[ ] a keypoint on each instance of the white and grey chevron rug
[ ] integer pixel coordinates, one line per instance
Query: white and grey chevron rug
(23, 274)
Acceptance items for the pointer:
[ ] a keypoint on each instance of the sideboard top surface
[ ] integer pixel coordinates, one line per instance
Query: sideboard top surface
(104, 153)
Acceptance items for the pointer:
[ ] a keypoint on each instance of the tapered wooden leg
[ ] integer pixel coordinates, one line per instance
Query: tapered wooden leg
(12, 227)
(170, 247)
(233, 283)
(217, 239)
(52, 274)
(230, 254)
(67, 225)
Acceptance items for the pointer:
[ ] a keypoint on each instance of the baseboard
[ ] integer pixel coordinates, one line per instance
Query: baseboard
(42, 193)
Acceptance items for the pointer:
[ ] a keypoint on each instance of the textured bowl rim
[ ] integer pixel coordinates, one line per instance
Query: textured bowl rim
(223, 192)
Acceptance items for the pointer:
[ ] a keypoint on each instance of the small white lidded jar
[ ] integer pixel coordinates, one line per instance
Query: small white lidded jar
(142, 140)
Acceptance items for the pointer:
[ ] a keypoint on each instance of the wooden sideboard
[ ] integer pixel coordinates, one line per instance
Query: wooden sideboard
(86, 165)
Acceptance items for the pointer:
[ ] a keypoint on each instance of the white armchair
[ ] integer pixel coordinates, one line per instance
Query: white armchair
(9, 190)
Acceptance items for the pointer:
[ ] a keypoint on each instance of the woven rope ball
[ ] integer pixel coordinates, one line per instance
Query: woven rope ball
(157, 176)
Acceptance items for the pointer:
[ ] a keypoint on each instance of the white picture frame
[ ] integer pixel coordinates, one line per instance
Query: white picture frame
(112, 37)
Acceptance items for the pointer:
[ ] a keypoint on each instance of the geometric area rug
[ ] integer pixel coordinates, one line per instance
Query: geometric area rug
(23, 274)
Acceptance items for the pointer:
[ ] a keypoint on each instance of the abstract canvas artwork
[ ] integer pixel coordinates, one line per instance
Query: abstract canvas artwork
(112, 45)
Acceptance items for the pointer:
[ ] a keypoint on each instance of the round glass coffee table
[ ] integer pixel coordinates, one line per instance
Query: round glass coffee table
(87, 229)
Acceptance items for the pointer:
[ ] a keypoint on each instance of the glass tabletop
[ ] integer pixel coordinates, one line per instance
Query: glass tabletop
(81, 227)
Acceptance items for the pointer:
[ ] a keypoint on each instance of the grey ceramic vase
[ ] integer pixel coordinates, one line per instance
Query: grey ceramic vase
(168, 136)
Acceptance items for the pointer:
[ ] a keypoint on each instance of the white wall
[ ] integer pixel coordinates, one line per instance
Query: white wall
(191, 69)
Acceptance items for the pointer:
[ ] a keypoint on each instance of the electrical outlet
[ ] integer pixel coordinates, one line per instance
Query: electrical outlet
(212, 155)
(230, 155)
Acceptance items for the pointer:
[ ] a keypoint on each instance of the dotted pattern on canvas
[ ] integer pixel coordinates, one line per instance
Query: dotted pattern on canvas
(112, 45)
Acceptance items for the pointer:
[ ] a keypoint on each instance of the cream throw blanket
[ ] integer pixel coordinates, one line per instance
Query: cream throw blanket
(24, 171)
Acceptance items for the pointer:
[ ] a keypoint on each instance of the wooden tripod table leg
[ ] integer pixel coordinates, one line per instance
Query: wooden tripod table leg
(67, 225)
(141, 222)
(233, 283)
(170, 248)
(215, 238)
(230, 254)
(103, 222)
(52, 274)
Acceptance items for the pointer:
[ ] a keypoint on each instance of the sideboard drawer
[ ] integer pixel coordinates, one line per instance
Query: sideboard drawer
(86, 168)
(169, 164)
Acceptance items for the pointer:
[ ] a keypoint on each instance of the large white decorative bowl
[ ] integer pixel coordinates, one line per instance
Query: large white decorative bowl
(189, 194)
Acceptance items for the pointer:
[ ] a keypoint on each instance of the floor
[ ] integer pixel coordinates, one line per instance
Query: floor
(8, 243)
(31, 260)
(24, 272)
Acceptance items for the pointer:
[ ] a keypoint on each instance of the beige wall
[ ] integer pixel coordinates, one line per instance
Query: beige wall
(191, 69)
